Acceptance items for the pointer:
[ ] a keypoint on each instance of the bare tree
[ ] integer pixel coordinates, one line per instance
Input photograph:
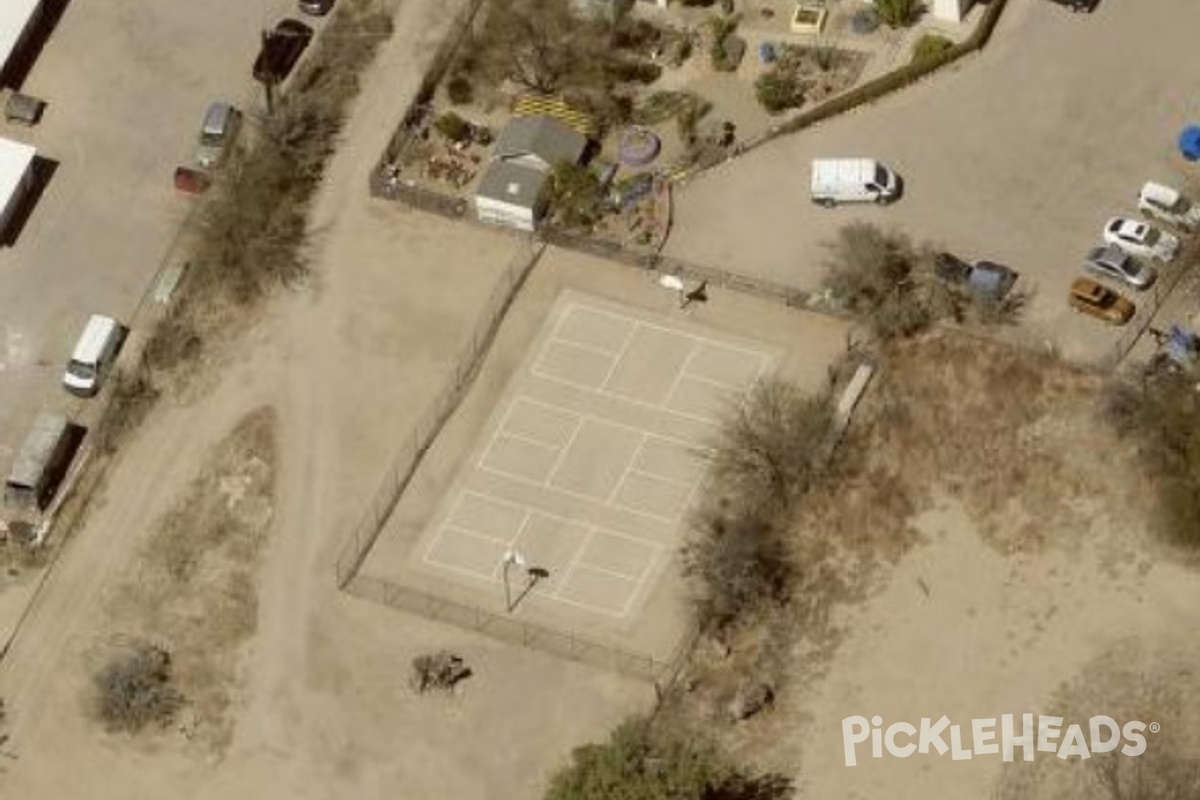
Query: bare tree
(541, 45)
(766, 448)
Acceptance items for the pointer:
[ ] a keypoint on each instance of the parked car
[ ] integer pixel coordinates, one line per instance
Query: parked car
(1141, 239)
(1089, 297)
(985, 279)
(1112, 262)
(316, 8)
(281, 49)
(218, 132)
(1165, 204)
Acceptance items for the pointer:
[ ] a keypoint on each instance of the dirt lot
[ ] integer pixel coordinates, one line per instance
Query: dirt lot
(983, 552)
(805, 346)
(320, 693)
(1018, 602)
(1018, 155)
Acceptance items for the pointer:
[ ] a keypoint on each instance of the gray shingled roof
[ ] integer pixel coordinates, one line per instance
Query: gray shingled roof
(544, 137)
(516, 184)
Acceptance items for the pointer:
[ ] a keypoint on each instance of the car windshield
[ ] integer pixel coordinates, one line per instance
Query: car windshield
(78, 369)
(211, 139)
(881, 175)
(1151, 237)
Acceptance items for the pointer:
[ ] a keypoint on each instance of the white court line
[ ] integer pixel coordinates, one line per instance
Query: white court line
(459, 567)
(623, 398)
(679, 332)
(609, 354)
(608, 501)
(577, 495)
(574, 563)
(640, 585)
(520, 529)
(607, 421)
(533, 442)
(620, 355)
(586, 567)
(573, 306)
(732, 387)
(562, 454)
(574, 560)
(679, 374)
(663, 478)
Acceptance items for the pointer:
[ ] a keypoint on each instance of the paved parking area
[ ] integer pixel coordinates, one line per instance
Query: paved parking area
(126, 85)
(1018, 155)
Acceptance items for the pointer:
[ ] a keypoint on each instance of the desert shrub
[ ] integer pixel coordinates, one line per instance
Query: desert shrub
(635, 33)
(929, 47)
(727, 49)
(766, 445)
(738, 562)
(867, 264)
(1162, 412)
(460, 90)
(574, 195)
(642, 762)
(453, 127)
(132, 395)
(697, 3)
(626, 71)
(134, 689)
(899, 13)
(881, 277)
(779, 90)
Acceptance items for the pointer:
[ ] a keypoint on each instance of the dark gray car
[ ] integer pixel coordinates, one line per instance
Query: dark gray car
(985, 279)
(1115, 264)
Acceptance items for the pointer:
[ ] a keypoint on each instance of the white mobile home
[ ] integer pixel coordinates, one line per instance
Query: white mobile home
(16, 177)
(18, 18)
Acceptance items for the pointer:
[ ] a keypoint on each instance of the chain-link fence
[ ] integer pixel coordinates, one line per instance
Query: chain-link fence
(1149, 303)
(470, 356)
(563, 643)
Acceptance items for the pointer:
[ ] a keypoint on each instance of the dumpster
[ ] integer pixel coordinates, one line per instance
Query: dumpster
(23, 109)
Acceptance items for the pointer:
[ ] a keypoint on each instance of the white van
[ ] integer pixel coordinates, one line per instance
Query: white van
(852, 180)
(95, 350)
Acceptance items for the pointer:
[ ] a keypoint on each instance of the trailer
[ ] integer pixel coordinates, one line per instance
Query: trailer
(18, 20)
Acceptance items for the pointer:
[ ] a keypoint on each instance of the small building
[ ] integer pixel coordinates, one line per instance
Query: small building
(511, 194)
(16, 178)
(539, 142)
(510, 191)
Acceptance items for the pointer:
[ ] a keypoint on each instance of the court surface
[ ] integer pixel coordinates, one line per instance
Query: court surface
(591, 459)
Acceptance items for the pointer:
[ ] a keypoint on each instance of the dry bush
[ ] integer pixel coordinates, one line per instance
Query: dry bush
(766, 446)
(1162, 415)
(1127, 683)
(135, 689)
(740, 564)
(132, 395)
(766, 454)
(195, 584)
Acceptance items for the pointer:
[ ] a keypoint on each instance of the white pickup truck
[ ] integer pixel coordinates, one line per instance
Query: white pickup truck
(852, 180)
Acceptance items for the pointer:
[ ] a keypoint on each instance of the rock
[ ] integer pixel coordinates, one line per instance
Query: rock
(748, 700)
